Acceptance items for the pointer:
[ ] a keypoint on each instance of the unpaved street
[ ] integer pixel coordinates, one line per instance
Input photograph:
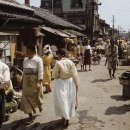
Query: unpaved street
(101, 106)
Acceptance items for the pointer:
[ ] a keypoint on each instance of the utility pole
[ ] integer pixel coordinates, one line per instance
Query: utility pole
(92, 24)
(93, 4)
(118, 31)
(113, 22)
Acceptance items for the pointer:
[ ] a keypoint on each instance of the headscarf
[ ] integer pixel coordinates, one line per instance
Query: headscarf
(47, 49)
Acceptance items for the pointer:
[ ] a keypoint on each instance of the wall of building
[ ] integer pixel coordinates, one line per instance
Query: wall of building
(8, 43)
(72, 5)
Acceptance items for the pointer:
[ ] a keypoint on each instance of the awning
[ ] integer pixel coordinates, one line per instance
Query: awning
(8, 34)
(76, 33)
(55, 31)
(71, 35)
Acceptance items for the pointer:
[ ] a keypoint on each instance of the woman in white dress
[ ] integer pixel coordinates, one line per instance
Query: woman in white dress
(65, 88)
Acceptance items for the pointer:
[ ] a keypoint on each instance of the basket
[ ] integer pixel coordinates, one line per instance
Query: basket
(124, 82)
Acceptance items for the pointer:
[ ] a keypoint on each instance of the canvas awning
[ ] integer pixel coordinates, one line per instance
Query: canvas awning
(55, 31)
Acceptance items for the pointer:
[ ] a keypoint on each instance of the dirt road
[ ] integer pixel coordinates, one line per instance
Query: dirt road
(101, 106)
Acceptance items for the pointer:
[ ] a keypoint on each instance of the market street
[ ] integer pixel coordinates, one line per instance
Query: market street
(101, 106)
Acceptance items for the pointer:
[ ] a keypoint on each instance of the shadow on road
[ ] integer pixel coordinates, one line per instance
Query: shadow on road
(82, 115)
(118, 110)
(21, 125)
(100, 80)
(119, 98)
(88, 122)
(82, 71)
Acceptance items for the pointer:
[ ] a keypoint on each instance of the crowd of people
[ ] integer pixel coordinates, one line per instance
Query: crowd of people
(114, 50)
(84, 55)
(37, 72)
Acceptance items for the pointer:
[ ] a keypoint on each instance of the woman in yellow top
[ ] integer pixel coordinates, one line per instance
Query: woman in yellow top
(47, 61)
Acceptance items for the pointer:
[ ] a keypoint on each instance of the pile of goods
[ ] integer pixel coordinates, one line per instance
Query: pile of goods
(12, 104)
(125, 81)
(125, 78)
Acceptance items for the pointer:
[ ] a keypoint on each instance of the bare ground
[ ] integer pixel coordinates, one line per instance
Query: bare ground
(101, 106)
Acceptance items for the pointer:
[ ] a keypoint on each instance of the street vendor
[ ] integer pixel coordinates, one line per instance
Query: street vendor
(32, 91)
(4, 79)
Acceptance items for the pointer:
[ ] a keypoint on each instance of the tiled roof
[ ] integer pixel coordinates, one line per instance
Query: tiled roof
(13, 3)
(24, 18)
(54, 20)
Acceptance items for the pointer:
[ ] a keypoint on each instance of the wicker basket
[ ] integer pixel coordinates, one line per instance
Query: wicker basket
(124, 82)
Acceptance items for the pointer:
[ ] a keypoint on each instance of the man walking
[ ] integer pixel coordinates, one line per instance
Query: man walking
(4, 79)
(112, 57)
(32, 91)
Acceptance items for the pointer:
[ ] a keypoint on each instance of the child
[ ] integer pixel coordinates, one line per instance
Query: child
(81, 59)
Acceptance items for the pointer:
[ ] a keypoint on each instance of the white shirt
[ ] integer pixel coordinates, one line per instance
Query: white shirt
(65, 69)
(35, 63)
(88, 47)
(4, 73)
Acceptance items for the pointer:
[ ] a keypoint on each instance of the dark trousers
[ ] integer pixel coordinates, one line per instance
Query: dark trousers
(2, 106)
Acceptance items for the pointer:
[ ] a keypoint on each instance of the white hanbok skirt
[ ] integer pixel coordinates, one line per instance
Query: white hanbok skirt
(65, 98)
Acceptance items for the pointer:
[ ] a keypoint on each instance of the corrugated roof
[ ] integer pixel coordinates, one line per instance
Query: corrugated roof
(55, 31)
(46, 15)
(13, 3)
(11, 16)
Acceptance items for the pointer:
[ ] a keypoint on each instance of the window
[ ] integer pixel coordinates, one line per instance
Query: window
(76, 4)
(57, 3)
(46, 4)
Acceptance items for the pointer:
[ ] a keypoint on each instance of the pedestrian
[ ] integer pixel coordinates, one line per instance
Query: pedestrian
(81, 61)
(65, 88)
(4, 80)
(54, 49)
(120, 51)
(78, 51)
(106, 47)
(112, 57)
(87, 56)
(32, 89)
(81, 48)
(47, 62)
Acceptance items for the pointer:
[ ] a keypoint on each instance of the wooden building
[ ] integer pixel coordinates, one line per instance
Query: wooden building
(15, 17)
(56, 29)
